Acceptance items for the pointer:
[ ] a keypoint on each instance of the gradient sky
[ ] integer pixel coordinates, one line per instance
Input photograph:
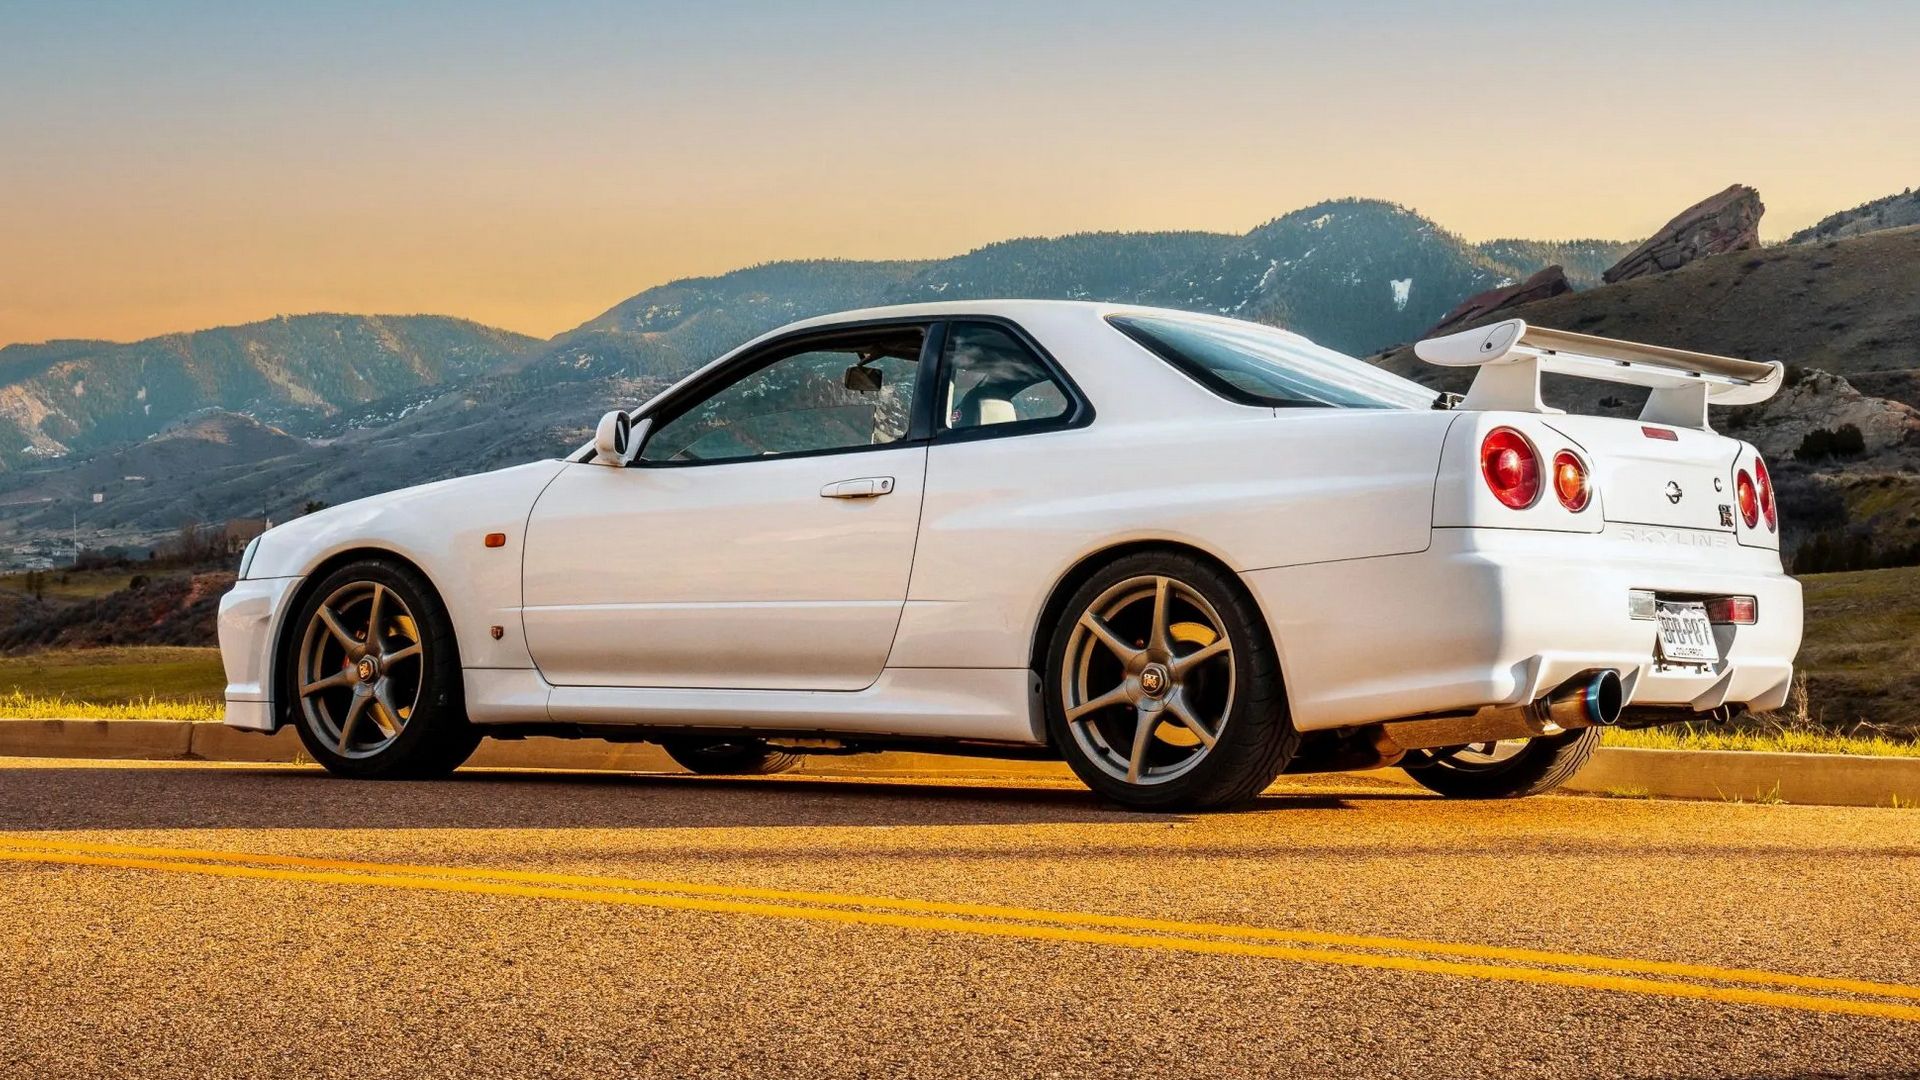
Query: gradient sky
(174, 165)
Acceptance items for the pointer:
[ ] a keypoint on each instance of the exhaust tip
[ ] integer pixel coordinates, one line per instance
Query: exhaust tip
(1605, 696)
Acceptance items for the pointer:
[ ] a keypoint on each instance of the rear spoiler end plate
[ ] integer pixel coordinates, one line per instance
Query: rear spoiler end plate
(1512, 355)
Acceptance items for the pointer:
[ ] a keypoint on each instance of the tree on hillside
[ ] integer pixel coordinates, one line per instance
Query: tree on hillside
(1846, 441)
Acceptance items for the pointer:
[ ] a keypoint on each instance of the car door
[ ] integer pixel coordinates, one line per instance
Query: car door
(763, 537)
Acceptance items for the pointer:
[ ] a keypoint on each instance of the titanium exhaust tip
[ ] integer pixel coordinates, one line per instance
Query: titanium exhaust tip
(1590, 699)
(1603, 698)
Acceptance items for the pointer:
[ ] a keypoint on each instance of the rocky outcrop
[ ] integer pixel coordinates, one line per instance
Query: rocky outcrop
(1551, 281)
(1823, 402)
(1729, 221)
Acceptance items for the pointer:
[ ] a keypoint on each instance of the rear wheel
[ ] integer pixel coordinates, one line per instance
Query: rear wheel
(376, 677)
(1511, 769)
(1163, 688)
(733, 757)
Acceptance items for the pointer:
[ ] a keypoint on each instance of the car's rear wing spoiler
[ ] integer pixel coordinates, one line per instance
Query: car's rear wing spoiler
(1511, 355)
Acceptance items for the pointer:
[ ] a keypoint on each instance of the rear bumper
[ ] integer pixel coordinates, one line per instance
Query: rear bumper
(249, 621)
(1502, 616)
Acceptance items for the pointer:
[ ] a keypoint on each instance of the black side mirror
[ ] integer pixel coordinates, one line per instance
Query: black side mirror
(864, 380)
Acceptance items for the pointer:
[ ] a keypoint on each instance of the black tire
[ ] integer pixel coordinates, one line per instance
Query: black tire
(1543, 764)
(731, 757)
(436, 737)
(1255, 737)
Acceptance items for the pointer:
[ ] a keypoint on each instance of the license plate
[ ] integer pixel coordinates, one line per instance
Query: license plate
(1685, 634)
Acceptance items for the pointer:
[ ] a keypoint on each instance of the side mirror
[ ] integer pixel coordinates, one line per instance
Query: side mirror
(863, 380)
(616, 441)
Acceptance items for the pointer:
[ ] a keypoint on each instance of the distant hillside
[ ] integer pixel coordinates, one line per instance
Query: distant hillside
(1357, 274)
(1583, 260)
(68, 396)
(1889, 212)
(676, 327)
(168, 607)
(159, 483)
(1353, 274)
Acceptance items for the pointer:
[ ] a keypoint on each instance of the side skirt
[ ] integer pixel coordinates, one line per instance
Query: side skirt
(979, 705)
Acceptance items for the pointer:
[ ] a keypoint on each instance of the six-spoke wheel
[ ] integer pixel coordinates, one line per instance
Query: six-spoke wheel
(1163, 689)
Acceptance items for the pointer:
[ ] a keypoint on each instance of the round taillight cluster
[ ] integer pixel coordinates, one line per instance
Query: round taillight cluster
(1765, 485)
(1570, 481)
(1511, 467)
(1748, 498)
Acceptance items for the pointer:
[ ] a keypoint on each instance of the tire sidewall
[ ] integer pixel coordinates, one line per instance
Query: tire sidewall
(439, 718)
(1543, 764)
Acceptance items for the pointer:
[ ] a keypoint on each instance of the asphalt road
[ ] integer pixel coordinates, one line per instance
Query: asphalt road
(214, 921)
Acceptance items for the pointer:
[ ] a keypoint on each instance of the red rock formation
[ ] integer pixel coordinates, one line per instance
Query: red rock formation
(1549, 282)
(1729, 221)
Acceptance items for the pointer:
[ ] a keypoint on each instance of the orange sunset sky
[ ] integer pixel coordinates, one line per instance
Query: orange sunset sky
(170, 166)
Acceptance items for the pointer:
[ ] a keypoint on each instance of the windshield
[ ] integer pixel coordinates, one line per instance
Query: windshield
(1258, 365)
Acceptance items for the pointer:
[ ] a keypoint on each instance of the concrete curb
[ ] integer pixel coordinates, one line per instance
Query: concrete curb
(1746, 776)
(1811, 779)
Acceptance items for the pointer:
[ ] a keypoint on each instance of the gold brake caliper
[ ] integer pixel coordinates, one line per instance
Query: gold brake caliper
(405, 627)
(1175, 733)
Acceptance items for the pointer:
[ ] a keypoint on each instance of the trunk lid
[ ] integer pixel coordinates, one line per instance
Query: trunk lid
(1651, 474)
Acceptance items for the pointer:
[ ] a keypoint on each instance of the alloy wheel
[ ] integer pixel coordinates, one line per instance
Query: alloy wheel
(1148, 680)
(360, 669)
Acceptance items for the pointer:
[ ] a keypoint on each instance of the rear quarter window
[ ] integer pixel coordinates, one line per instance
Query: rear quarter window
(1259, 365)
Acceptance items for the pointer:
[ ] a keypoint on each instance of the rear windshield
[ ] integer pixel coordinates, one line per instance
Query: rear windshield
(1258, 365)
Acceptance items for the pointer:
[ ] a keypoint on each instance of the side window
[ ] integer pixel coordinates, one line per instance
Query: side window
(833, 394)
(992, 378)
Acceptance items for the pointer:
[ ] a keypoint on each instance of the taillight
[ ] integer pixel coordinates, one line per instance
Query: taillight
(1570, 481)
(1739, 610)
(1511, 466)
(1765, 484)
(1749, 501)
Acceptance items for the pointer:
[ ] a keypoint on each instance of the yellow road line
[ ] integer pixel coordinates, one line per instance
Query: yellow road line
(1468, 950)
(948, 924)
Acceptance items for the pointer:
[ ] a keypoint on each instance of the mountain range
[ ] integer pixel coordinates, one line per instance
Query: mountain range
(258, 420)
(66, 397)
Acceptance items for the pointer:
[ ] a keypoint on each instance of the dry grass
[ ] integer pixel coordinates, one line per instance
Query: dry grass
(1862, 652)
(1795, 741)
(19, 706)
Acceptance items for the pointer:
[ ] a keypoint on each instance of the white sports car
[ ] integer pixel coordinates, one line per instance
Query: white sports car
(1186, 554)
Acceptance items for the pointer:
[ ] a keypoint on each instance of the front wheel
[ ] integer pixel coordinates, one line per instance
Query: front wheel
(376, 676)
(1513, 769)
(1163, 688)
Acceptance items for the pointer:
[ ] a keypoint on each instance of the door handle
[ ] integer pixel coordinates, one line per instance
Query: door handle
(866, 487)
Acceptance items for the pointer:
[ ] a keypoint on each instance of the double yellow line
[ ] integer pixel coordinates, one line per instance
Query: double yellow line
(1743, 986)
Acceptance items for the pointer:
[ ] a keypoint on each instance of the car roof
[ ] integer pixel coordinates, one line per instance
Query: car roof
(1004, 308)
(1013, 309)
